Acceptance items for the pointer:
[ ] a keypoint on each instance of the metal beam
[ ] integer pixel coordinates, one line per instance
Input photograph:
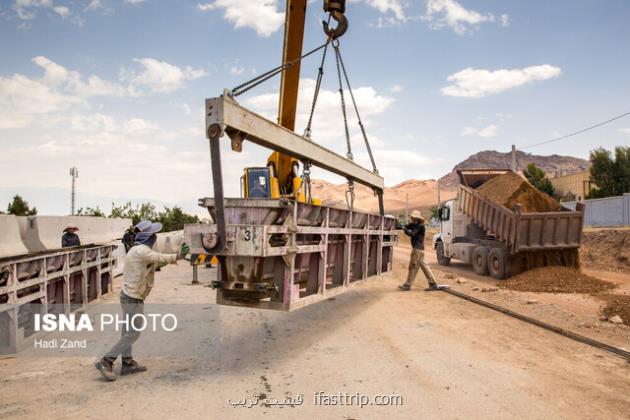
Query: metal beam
(225, 116)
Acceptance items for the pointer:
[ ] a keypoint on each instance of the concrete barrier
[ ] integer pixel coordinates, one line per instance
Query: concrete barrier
(169, 242)
(42, 233)
(10, 240)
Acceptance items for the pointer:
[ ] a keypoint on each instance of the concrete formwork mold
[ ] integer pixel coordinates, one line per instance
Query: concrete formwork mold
(49, 282)
(281, 254)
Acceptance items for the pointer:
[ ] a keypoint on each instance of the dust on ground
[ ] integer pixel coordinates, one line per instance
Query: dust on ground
(617, 305)
(447, 358)
(510, 189)
(606, 249)
(556, 279)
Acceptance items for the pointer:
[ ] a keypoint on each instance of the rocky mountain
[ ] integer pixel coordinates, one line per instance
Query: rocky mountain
(422, 194)
(553, 165)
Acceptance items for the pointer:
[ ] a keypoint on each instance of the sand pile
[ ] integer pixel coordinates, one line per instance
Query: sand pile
(510, 189)
(617, 305)
(556, 280)
(606, 249)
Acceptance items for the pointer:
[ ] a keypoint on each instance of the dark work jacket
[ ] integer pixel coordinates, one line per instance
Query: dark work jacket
(128, 239)
(70, 239)
(416, 231)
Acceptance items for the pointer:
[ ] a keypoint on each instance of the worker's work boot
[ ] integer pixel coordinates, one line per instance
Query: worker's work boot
(130, 366)
(432, 287)
(404, 287)
(106, 366)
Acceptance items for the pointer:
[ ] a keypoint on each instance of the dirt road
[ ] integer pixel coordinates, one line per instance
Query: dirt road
(445, 357)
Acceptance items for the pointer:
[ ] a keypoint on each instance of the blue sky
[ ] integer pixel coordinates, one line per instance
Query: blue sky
(116, 87)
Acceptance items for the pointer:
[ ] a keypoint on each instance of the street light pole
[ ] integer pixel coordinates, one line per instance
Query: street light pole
(74, 173)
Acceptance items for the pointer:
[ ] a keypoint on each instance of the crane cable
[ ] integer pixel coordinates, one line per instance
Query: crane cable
(252, 83)
(341, 69)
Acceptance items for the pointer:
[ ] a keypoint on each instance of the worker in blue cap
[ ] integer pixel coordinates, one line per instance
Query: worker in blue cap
(138, 276)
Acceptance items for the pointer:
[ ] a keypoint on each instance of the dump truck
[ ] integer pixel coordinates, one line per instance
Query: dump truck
(504, 239)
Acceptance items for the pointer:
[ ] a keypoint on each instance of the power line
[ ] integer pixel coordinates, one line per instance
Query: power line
(575, 133)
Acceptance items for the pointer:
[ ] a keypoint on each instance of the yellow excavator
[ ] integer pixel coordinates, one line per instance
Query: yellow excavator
(280, 178)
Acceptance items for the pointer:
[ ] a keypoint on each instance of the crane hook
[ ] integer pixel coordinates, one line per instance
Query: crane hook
(336, 8)
(342, 25)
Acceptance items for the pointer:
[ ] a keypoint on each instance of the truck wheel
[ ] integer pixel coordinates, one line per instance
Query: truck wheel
(441, 258)
(498, 263)
(480, 260)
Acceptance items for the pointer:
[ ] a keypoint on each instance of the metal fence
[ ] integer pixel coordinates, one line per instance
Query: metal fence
(611, 211)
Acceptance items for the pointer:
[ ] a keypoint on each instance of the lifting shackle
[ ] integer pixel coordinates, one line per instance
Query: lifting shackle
(336, 8)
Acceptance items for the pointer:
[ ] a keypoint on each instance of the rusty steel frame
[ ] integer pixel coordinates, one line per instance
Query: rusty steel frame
(43, 279)
(283, 255)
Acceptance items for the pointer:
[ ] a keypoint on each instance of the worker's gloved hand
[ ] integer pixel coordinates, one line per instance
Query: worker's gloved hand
(183, 251)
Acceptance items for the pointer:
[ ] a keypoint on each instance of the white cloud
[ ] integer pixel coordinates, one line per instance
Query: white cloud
(186, 108)
(476, 83)
(261, 15)
(505, 20)
(94, 123)
(441, 13)
(27, 9)
(140, 127)
(94, 5)
(386, 6)
(236, 71)
(485, 132)
(23, 100)
(396, 88)
(624, 130)
(159, 76)
(59, 77)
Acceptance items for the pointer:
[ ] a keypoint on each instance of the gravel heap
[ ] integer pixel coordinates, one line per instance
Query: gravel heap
(510, 189)
(556, 279)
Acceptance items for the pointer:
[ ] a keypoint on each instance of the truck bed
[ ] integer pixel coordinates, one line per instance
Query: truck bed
(523, 231)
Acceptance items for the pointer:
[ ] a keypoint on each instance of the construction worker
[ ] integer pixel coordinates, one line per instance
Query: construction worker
(70, 237)
(129, 238)
(416, 230)
(138, 277)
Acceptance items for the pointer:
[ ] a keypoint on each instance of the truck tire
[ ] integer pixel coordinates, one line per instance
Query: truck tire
(439, 253)
(480, 260)
(498, 263)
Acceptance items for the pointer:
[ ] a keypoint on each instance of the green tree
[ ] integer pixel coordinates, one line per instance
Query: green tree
(174, 218)
(89, 211)
(537, 177)
(141, 212)
(19, 207)
(433, 212)
(610, 175)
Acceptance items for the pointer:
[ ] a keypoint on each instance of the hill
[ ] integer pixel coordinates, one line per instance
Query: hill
(553, 165)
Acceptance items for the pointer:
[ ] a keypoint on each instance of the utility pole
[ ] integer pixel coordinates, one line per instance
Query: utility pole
(513, 158)
(74, 173)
